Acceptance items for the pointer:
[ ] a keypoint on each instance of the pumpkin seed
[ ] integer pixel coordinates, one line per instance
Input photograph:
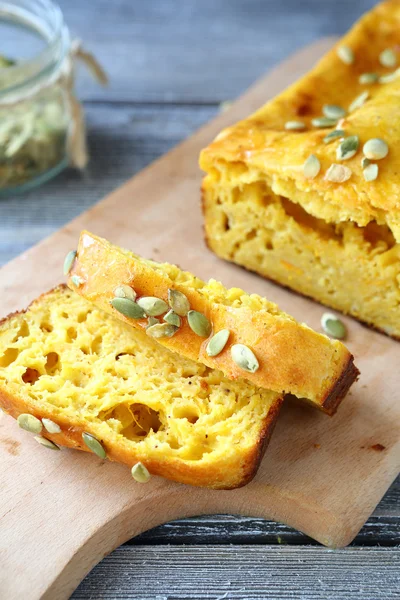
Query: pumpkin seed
(178, 302)
(323, 122)
(152, 321)
(69, 261)
(375, 149)
(218, 342)
(295, 125)
(172, 318)
(388, 58)
(338, 173)
(46, 443)
(199, 323)
(332, 135)
(161, 330)
(29, 423)
(389, 77)
(367, 78)
(371, 172)
(345, 54)
(333, 111)
(128, 308)
(359, 101)
(347, 148)
(50, 426)
(244, 358)
(365, 162)
(125, 291)
(333, 326)
(152, 306)
(77, 281)
(225, 105)
(140, 473)
(94, 445)
(311, 167)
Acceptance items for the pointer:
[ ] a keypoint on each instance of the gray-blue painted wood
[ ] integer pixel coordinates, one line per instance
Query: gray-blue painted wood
(244, 573)
(198, 50)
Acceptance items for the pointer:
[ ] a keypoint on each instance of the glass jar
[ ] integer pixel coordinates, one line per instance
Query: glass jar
(35, 96)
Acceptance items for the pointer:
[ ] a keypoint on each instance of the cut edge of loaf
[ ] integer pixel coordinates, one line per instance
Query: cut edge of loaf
(337, 242)
(314, 367)
(277, 253)
(228, 473)
(349, 374)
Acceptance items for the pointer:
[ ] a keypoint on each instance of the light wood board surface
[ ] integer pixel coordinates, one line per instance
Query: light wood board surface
(61, 514)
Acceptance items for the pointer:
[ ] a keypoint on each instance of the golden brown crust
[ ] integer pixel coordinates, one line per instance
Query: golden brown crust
(262, 145)
(232, 473)
(312, 363)
(339, 390)
(60, 286)
(256, 455)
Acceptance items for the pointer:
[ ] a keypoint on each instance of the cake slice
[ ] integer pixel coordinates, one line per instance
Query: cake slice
(306, 191)
(243, 335)
(74, 375)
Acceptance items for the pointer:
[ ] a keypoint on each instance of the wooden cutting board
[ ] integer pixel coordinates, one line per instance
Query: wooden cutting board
(62, 512)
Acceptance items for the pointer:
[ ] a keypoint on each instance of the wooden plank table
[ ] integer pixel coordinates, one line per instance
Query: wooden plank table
(171, 64)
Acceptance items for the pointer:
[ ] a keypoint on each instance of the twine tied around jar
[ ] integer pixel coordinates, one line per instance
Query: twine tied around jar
(63, 78)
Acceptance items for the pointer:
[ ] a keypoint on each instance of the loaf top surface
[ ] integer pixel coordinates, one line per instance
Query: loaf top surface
(260, 147)
(292, 357)
(66, 360)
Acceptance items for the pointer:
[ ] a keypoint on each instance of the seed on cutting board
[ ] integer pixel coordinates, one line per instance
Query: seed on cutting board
(172, 318)
(333, 326)
(295, 125)
(338, 173)
(347, 148)
(388, 58)
(125, 291)
(178, 302)
(152, 306)
(375, 149)
(345, 54)
(140, 473)
(359, 101)
(244, 358)
(199, 323)
(323, 122)
(128, 308)
(333, 111)
(218, 342)
(367, 78)
(29, 423)
(46, 443)
(69, 261)
(371, 172)
(94, 445)
(50, 426)
(77, 280)
(333, 135)
(161, 330)
(311, 167)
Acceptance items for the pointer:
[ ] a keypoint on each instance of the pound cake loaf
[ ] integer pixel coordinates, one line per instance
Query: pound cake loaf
(78, 377)
(306, 191)
(244, 336)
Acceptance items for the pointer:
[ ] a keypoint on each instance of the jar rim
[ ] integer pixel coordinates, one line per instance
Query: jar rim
(45, 18)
